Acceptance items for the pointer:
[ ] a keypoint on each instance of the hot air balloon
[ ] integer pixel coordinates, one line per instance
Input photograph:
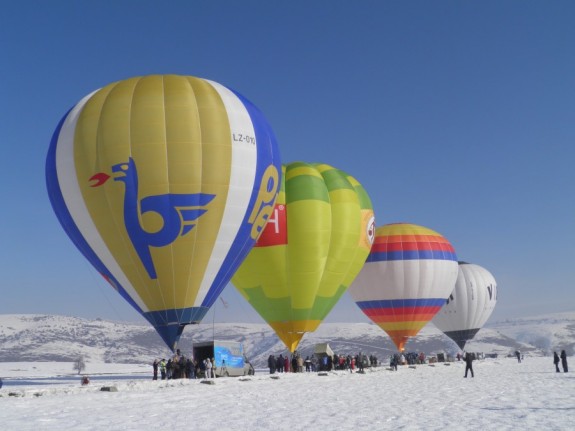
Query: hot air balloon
(410, 272)
(313, 246)
(469, 305)
(164, 183)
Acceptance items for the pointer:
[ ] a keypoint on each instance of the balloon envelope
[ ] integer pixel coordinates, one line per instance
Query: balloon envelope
(164, 183)
(313, 246)
(469, 305)
(406, 279)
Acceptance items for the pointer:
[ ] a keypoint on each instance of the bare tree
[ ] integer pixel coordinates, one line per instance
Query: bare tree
(79, 364)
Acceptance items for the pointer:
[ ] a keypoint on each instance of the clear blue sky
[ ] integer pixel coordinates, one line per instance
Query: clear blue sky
(456, 115)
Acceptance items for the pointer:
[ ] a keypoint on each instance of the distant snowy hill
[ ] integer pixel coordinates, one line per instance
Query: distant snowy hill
(58, 338)
(547, 332)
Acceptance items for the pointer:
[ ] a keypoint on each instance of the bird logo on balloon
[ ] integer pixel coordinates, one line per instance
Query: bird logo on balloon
(179, 212)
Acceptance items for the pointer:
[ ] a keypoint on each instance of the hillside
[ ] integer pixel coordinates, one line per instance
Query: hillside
(60, 338)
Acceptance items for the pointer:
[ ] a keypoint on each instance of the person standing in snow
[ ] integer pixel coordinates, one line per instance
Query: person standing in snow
(556, 361)
(169, 369)
(518, 354)
(182, 367)
(190, 369)
(299, 364)
(272, 364)
(163, 369)
(176, 372)
(421, 358)
(393, 360)
(564, 360)
(468, 357)
(208, 368)
(155, 368)
(359, 362)
(307, 364)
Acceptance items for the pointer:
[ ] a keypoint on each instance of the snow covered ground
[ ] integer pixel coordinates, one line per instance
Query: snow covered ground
(504, 395)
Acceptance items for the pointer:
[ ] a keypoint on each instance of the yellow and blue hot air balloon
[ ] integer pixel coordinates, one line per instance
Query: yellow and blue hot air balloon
(314, 244)
(164, 183)
(410, 272)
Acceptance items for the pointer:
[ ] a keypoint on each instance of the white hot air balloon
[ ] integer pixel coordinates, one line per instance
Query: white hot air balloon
(469, 305)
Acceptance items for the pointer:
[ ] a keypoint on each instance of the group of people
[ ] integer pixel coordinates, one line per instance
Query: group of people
(320, 362)
(409, 358)
(348, 362)
(182, 367)
(470, 357)
(556, 359)
(563, 361)
(351, 363)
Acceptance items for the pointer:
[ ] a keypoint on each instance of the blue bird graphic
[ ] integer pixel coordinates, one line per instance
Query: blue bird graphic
(179, 212)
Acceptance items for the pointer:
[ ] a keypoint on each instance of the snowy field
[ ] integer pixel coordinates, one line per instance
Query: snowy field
(504, 395)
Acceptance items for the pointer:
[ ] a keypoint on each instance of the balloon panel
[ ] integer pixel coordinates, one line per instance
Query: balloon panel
(405, 280)
(314, 244)
(164, 183)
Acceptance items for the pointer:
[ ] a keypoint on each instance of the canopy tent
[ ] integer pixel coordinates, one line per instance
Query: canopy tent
(323, 349)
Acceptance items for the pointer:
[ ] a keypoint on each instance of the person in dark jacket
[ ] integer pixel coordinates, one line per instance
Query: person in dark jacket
(272, 364)
(469, 363)
(359, 362)
(393, 360)
(190, 369)
(307, 363)
(155, 368)
(169, 369)
(564, 360)
(556, 361)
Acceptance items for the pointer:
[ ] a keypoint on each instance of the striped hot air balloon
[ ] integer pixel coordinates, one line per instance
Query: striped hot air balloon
(410, 272)
(313, 246)
(164, 183)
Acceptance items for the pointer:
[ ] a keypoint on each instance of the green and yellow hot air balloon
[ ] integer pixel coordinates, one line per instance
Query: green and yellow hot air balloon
(314, 244)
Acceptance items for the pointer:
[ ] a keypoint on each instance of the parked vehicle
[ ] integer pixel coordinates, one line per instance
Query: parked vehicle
(229, 356)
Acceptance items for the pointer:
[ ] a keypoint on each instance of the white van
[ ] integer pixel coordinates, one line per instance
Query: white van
(229, 356)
